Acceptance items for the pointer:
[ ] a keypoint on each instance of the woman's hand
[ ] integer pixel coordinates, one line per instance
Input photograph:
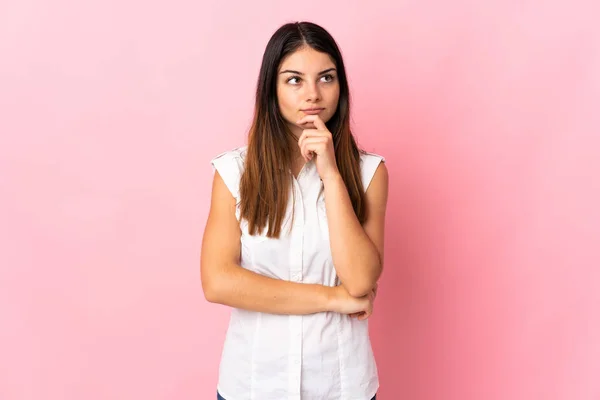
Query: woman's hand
(363, 315)
(343, 303)
(318, 143)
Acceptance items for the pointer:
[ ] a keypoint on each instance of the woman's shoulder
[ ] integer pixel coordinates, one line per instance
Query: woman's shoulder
(367, 156)
(230, 165)
(237, 152)
(368, 165)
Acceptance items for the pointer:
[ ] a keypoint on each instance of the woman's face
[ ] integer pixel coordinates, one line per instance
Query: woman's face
(307, 79)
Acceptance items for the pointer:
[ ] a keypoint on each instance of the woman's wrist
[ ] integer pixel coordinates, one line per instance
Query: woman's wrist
(333, 179)
(331, 297)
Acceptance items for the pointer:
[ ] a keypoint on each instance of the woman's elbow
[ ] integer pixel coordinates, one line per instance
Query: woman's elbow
(210, 292)
(211, 285)
(363, 286)
(361, 289)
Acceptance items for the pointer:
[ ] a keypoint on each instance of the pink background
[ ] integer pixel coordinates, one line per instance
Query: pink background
(487, 113)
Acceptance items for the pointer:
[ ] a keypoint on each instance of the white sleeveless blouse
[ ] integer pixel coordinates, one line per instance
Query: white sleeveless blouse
(321, 356)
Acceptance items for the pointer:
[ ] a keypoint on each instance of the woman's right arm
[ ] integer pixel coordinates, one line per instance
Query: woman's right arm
(224, 281)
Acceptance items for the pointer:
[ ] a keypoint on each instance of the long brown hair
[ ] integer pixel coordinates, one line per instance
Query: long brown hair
(266, 180)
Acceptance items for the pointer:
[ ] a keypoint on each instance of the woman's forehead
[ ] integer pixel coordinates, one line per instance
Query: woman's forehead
(307, 61)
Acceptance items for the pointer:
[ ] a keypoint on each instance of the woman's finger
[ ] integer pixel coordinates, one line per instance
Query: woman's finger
(315, 119)
(307, 133)
(365, 315)
(314, 145)
(311, 133)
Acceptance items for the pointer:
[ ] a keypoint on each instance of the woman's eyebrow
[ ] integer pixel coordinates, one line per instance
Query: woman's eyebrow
(300, 73)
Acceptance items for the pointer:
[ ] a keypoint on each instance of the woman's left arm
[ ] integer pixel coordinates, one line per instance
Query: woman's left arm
(357, 250)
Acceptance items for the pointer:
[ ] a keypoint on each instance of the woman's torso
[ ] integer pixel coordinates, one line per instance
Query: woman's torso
(324, 355)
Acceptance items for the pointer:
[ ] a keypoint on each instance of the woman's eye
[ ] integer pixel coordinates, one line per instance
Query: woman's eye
(329, 78)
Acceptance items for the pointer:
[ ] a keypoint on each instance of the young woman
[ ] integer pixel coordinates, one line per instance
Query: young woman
(294, 237)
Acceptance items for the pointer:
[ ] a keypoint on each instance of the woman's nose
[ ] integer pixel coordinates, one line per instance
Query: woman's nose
(312, 92)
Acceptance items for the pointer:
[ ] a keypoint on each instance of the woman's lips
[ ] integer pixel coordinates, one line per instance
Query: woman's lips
(313, 112)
